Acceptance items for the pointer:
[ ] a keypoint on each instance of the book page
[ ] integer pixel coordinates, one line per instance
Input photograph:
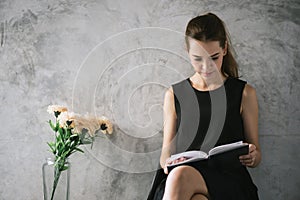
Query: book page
(226, 147)
(190, 155)
(189, 160)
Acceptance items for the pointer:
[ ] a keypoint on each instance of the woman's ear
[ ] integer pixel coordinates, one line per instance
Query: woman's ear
(225, 49)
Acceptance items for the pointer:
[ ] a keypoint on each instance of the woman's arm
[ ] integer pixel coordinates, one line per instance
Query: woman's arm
(169, 127)
(249, 111)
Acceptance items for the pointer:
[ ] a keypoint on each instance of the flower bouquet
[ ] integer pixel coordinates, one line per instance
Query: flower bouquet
(71, 131)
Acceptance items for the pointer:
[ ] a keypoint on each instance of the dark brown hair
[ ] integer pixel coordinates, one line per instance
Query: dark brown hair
(209, 27)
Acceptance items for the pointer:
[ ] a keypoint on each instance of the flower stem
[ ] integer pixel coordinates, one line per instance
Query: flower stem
(58, 168)
(57, 173)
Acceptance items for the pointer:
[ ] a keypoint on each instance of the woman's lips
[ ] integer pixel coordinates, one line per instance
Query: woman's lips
(206, 73)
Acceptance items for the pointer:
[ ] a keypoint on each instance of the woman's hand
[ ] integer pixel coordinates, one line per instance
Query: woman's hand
(250, 159)
(169, 162)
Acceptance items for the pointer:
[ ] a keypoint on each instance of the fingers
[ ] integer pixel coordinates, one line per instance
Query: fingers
(249, 159)
(179, 160)
(169, 162)
(166, 169)
(252, 148)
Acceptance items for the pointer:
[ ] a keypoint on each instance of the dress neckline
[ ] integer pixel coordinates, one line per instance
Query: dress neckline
(206, 91)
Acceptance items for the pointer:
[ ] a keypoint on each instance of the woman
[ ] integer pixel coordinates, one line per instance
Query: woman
(210, 52)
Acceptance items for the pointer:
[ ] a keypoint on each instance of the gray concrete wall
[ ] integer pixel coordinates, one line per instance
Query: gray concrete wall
(52, 52)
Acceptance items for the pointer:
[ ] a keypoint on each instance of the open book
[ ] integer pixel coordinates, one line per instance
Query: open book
(220, 156)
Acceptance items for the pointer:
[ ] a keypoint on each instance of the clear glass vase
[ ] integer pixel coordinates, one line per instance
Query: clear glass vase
(56, 184)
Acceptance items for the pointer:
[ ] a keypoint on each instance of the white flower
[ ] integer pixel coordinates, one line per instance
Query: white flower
(67, 119)
(56, 109)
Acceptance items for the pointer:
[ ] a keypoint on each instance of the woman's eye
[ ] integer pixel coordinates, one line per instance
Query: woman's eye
(198, 59)
(215, 58)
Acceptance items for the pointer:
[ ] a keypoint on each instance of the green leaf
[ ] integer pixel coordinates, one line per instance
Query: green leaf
(61, 132)
(64, 168)
(69, 132)
(54, 128)
(57, 125)
(57, 161)
(66, 153)
(52, 146)
(86, 142)
(77, 149)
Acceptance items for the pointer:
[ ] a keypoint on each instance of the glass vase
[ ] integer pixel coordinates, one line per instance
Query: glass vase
(56, 184)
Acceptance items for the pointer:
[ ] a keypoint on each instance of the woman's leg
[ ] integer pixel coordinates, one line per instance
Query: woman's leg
(183, 183)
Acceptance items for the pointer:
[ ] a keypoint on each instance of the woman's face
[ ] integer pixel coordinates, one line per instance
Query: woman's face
(206, 57)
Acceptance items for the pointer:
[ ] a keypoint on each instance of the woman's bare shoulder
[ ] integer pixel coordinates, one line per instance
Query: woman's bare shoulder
(169, 94)
(249, 91)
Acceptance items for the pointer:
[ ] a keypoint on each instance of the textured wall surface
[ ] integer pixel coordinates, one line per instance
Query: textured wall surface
(99, 57)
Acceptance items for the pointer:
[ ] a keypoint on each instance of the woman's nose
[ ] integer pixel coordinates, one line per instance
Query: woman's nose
(207, 64)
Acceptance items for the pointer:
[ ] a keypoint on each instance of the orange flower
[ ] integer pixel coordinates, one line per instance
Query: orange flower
(105, 125)
(87, 122)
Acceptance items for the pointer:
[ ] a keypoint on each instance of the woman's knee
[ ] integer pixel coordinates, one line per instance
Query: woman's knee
(187, 178)
(178, 175)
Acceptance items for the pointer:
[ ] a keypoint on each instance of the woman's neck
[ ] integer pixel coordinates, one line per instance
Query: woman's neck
(203, 84)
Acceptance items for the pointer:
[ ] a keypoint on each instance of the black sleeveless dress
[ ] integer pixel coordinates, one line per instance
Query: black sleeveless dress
(222, 184)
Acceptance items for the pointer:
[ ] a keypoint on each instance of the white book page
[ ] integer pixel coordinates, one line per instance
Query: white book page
(190, 160)
(190, 155)
(226, 147)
